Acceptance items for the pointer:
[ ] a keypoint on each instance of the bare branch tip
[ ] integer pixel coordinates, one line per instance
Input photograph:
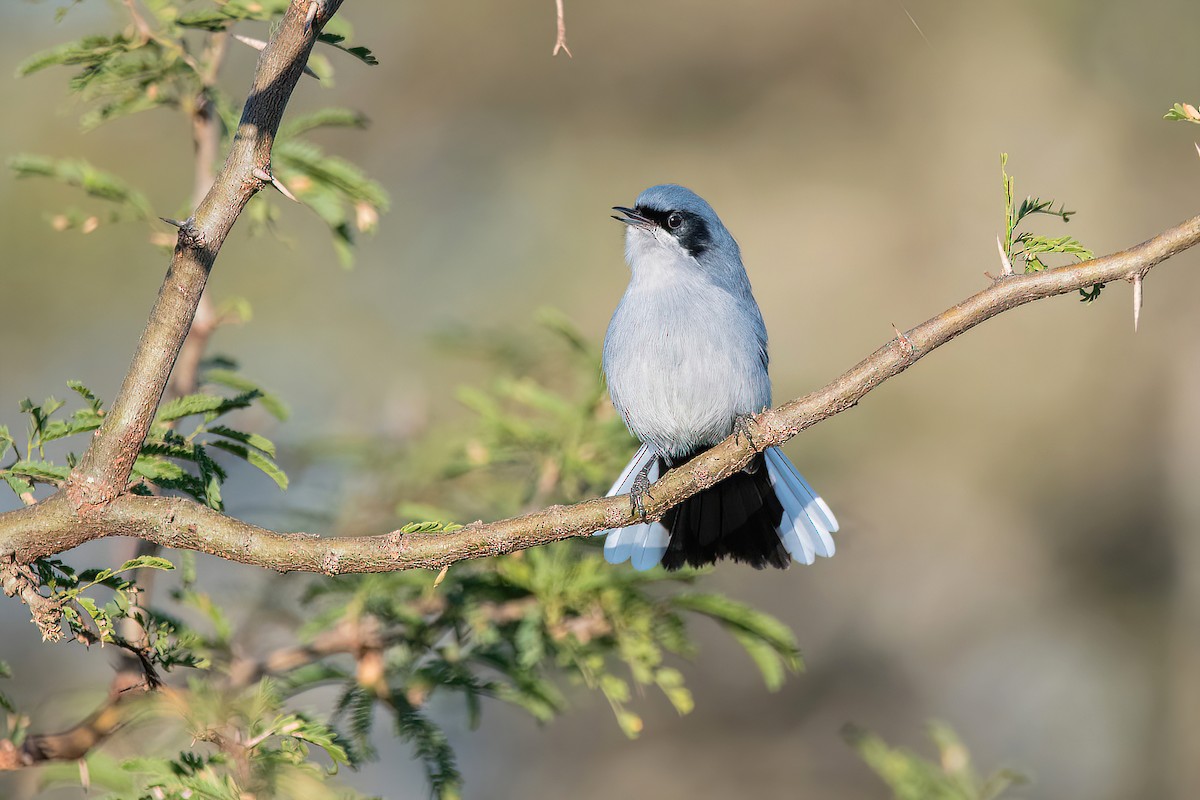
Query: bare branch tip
(560, 43)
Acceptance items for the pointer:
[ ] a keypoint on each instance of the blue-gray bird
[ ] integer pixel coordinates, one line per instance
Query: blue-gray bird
(686, 361)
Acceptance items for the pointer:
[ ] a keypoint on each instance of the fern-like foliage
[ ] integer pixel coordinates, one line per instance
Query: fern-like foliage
(166, 57)
(1029, 248)
(172, 459)
(913, 777)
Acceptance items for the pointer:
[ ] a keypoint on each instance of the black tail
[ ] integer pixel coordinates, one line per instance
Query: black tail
(738, 519)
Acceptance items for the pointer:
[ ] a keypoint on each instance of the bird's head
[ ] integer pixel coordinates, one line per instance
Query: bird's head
(676, 224)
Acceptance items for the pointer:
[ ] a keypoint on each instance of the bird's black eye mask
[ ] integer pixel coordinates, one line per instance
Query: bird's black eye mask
(689, 229)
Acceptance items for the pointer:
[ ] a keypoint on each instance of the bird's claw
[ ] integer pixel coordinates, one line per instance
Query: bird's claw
(639, 492)
(741, 427)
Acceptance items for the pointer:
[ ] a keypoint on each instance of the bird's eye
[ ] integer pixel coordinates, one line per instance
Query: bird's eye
(674, 220)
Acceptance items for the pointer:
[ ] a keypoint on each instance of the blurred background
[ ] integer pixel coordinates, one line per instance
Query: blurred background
(1019, 553)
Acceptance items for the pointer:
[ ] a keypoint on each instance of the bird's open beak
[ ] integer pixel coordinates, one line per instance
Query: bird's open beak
(634, 219)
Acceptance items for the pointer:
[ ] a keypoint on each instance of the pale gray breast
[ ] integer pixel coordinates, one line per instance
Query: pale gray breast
(682, 359)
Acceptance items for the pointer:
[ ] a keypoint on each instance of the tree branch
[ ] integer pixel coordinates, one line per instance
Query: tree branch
(105, 468)
(74, 742)
(56, 524)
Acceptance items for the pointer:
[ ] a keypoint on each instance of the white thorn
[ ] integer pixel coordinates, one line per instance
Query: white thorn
(1008, 270)
(1137, 300)
(311, 15)
(259, 44)
(1197, 147)
(267, 177)
(283, 190)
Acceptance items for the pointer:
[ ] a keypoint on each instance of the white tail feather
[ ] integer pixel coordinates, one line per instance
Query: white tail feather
(793, 532)
(810, 510)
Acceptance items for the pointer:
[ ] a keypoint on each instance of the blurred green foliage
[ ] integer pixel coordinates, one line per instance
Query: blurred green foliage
(167, 57)
(912, 777)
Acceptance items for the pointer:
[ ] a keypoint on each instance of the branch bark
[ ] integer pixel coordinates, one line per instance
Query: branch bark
(58, 524)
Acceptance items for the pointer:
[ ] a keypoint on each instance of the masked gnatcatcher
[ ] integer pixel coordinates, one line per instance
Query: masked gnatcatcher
(685, 357)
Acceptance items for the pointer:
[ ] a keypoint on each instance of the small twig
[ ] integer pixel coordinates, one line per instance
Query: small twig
(914, 23)
(143, 28)
(560, 43)
(74, 742)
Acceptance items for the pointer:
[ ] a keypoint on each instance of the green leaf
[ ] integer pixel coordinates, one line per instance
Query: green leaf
(220, 18)
(361, 53)
(743, 618)
(431, 746)
(19, 486)
(912, 777)
(1184, 112)
(252, 439)
(89, 51)
(6, 441)
(630, 723)
(192, 404)
(765, 657)
(232, 380)
(80, 174)
(323, 118)
(41, 471)
(670, 681)
(258, 459)
(146, 562)
(168, 475)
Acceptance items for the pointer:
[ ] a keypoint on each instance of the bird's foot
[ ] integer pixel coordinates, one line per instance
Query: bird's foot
(741, 427)
(640, 491)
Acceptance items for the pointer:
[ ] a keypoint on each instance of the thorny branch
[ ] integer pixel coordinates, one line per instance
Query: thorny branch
(58, 524)
(104, 469)
(94, 505)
